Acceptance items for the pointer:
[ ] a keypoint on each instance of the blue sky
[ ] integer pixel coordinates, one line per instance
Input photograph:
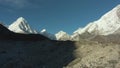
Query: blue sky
(55, 15)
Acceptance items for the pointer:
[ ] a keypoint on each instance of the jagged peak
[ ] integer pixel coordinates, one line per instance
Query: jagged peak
(20, 20)
(21, 26)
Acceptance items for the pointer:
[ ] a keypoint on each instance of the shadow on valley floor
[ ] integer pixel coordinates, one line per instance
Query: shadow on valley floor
(33, 51)
(45, 54)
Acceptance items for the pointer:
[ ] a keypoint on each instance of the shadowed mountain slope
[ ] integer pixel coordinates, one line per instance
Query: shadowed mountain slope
(7, 34)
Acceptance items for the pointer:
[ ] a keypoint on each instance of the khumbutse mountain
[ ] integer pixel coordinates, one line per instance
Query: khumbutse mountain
(97, 45)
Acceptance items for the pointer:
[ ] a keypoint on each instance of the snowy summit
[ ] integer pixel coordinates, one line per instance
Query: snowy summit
(61, 35)
(21, 26)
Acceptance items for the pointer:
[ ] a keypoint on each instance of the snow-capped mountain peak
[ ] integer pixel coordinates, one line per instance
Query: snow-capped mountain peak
(109, 23)
(61, 35)
(21, 26)
(47, 34)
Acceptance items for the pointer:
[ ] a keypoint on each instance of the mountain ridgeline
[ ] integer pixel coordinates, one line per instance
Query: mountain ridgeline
(108, 24)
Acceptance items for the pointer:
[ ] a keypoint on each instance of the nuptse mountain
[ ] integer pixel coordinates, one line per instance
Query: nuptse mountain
(97, 45)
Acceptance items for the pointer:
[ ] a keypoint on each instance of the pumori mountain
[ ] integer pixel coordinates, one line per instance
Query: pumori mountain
(49, 35)
(108, 24)
(61, 35)
(21, 26)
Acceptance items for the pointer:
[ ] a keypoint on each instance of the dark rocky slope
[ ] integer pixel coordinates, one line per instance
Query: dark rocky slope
(33, 51)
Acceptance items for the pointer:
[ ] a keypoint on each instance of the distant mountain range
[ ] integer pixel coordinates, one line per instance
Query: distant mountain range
(108, 24)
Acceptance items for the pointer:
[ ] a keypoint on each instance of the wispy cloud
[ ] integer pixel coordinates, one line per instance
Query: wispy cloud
(15, 3)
